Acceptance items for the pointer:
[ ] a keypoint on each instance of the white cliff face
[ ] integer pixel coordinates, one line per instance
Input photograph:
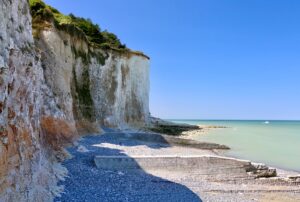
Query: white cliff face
(51, 89)
(26, 173)
(57, 62)
(106, 87)
(120, 90)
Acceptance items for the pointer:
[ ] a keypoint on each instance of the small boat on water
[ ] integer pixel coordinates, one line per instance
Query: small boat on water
(267, 122)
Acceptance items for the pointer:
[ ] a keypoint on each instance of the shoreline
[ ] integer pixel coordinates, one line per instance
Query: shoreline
(206, 129)
(202, 130)
(270, 165)
(159, 168)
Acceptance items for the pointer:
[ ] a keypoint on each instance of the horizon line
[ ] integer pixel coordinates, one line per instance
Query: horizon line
(187, 119)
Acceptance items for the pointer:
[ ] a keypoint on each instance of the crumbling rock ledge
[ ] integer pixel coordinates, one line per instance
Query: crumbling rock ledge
(176, 141)
(169, 128)
(178, 129)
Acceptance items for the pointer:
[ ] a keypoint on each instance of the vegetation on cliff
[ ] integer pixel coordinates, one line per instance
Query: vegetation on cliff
(83, 94)
(42, 13)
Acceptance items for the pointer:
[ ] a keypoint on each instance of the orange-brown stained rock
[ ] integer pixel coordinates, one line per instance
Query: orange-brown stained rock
(3, 160)
(30, 110)
(13, 145)
(3, 166)
(11, 113)
(3, 132)
(57, 132)
(86, 127)
(10, 154)
(1, 107)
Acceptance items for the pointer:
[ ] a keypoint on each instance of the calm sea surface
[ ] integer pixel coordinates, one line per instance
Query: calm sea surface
(276, 143)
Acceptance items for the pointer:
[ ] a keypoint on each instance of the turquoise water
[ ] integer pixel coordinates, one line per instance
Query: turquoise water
(276, 143)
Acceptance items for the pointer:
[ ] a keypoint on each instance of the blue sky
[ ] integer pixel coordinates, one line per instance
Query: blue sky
(210, 59)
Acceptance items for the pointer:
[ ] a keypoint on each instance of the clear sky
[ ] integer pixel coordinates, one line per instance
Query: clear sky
(210, 59)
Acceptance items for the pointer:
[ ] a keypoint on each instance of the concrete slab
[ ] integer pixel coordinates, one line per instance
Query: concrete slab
(204, 165)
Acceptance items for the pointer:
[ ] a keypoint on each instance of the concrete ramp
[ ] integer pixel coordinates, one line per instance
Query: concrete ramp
(166, 162)
(203, 165)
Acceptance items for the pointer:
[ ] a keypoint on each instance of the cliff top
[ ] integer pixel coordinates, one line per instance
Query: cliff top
(43, 13)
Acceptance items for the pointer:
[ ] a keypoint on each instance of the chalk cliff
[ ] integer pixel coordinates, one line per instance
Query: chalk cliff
(28, 170)
(94, 85)
(54, 87)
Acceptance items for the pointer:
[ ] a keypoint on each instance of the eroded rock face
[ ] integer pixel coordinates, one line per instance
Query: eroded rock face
(95, 86)
(27, 171)
(52, 90)
(120, 90)
(24, 169)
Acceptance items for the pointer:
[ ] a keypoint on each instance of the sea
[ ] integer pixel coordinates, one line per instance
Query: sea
(275, 143)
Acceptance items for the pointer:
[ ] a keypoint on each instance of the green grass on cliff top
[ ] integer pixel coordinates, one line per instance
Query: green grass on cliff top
(41, 12)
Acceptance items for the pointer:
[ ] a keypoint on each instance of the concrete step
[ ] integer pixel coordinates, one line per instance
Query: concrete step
(203, 165)
(216, 166)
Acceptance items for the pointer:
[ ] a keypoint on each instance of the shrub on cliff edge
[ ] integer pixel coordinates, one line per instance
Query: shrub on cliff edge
(42, 13)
